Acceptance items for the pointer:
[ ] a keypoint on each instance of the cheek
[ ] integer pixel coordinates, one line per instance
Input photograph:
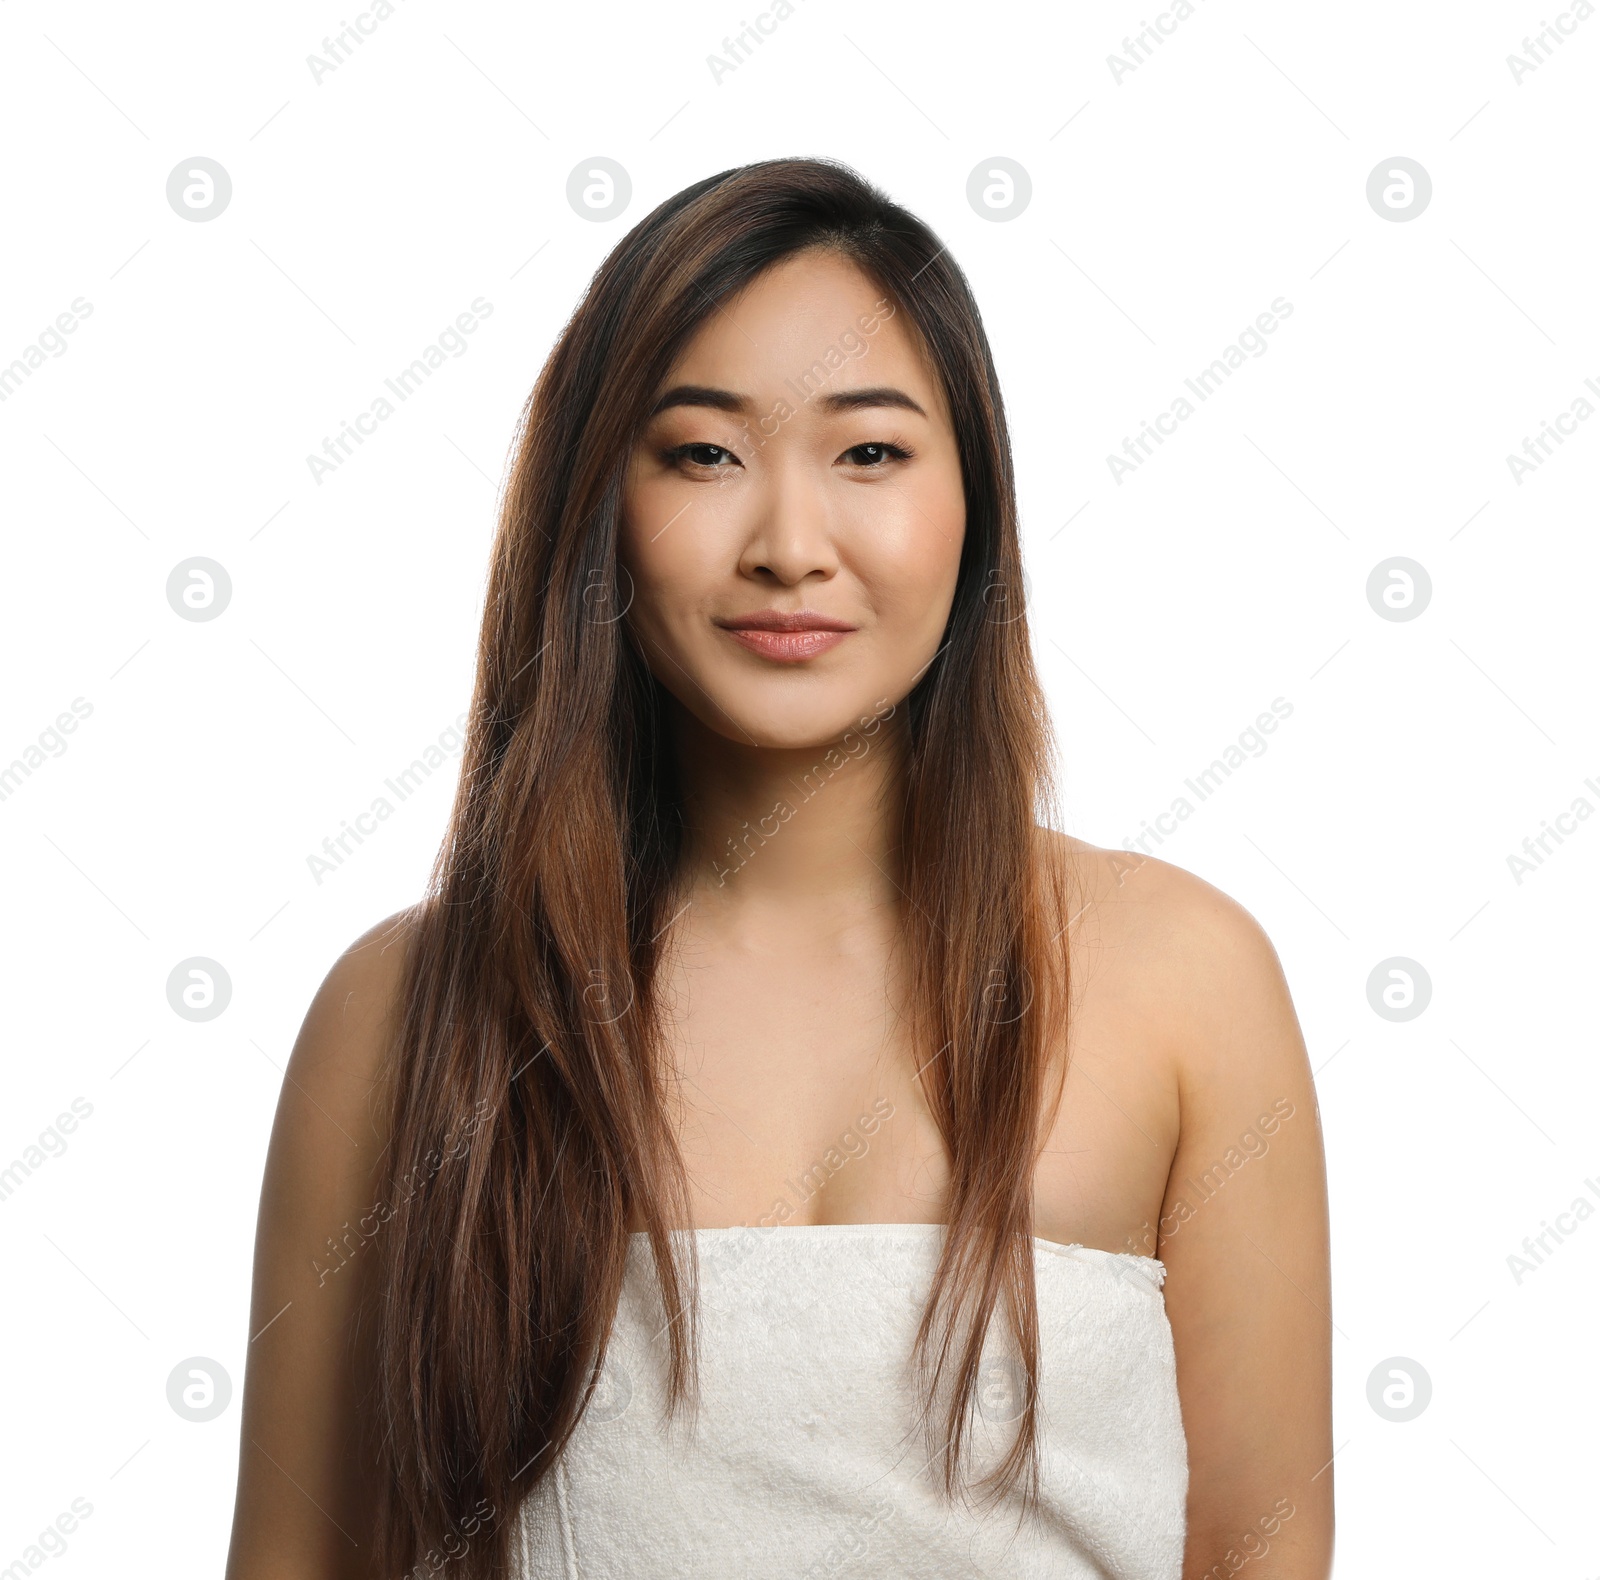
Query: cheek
(908, 552)
(672, 548)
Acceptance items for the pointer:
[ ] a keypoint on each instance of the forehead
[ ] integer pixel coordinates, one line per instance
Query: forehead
(815, 307)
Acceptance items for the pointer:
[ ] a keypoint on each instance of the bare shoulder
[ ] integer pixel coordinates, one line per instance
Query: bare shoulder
(329, 1135)
(1195, 963)
(329, 1130)
(353, 1015)
(1143, 900)
(305, 1499)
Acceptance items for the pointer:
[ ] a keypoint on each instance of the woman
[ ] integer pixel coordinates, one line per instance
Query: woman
(764, 1148)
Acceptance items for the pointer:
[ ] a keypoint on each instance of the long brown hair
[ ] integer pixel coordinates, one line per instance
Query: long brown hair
(529, 1030)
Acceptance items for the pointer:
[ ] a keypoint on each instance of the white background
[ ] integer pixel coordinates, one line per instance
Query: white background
(1167, 211)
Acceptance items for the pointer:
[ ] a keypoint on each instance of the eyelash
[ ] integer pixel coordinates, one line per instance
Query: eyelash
(892, 452)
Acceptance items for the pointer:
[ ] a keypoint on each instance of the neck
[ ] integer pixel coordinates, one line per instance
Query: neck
(785, 827)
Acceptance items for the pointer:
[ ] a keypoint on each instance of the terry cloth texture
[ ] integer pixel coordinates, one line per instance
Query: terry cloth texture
(805, 1459)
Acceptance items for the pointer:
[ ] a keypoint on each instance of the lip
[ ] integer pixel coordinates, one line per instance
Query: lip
(787, 638)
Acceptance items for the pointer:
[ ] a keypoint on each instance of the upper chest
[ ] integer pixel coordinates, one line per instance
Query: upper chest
(798, 1102)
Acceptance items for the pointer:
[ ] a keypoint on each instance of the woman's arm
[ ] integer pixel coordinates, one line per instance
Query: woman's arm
(1244, 1235)
(305, 1501)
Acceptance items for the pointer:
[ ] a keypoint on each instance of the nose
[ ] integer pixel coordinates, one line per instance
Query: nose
(791, 537)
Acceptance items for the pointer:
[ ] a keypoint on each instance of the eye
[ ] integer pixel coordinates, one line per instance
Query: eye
(875, 454)
(708, 457)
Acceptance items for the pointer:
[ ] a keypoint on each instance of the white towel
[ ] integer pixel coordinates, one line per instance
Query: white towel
(804, 1463)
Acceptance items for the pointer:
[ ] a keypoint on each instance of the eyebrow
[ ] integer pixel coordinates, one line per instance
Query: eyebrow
(833, 403)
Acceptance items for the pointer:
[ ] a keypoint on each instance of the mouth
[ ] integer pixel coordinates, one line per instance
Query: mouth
(786, 638)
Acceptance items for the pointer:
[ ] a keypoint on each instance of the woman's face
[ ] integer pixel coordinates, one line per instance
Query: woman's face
(793, 518)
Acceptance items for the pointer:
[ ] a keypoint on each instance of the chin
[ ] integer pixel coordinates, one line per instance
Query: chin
(789, 723)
